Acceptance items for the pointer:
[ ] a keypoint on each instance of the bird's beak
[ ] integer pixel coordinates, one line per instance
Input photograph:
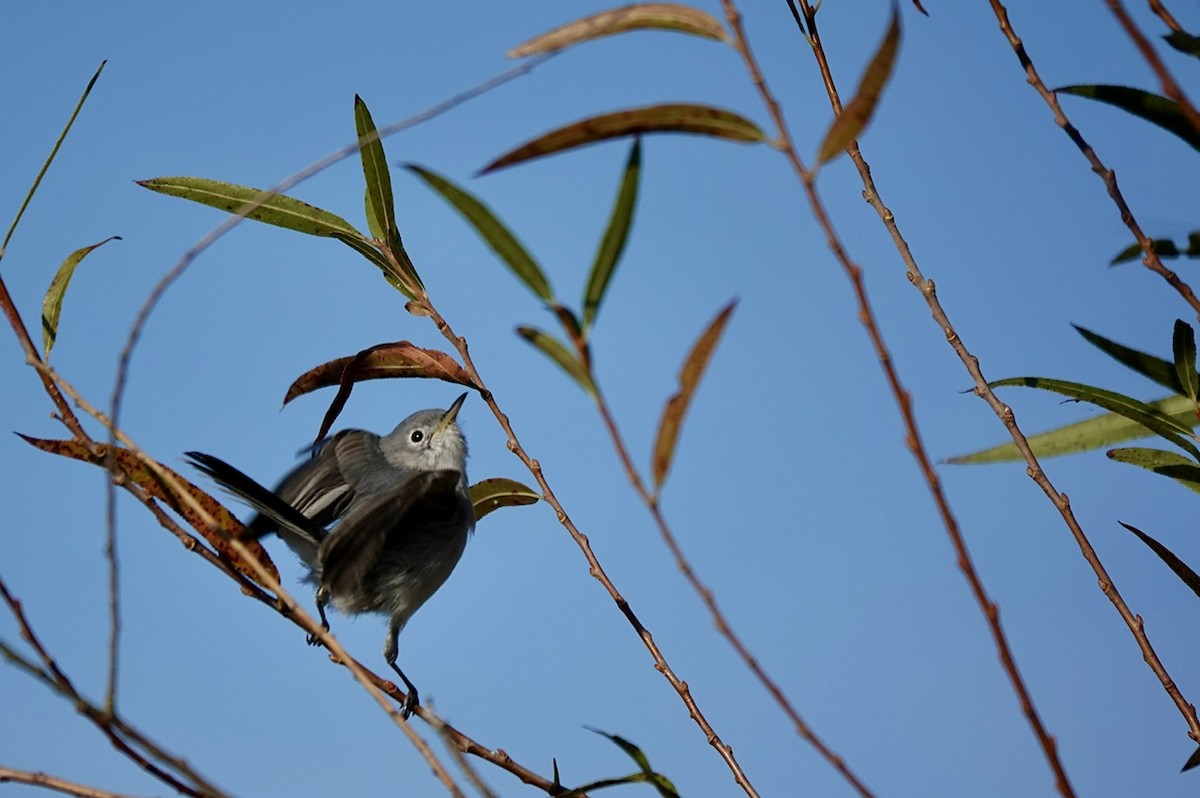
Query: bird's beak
(448, 417)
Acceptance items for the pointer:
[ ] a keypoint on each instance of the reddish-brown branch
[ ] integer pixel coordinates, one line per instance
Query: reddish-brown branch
(1158, 8)
(49, 782)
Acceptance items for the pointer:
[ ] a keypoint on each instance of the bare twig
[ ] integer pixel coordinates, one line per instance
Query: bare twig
(596, 569)
(901, 395)
(49, 782)
(1158, 8)
(1060, 500)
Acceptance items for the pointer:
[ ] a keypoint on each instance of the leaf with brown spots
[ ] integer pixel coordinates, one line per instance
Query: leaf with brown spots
(640, 16)
(138, 472)
(492, 494)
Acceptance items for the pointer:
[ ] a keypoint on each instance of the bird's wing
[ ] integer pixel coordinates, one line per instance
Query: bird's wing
(302, 533)
(322, 487)
(357, 542)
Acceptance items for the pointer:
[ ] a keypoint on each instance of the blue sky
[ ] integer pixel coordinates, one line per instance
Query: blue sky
(792, 493)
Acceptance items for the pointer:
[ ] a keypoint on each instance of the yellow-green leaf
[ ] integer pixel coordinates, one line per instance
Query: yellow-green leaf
(615, 236)
(276, 209)
(493, 231)
(1154, 108)
(554, 349)
(855, 115)
(640, 16)
(492, 494)
(52, 304)
(689, 378)
(702, 120)
(1168, 464)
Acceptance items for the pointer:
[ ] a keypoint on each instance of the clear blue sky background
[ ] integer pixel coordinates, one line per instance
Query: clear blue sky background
(793, 492)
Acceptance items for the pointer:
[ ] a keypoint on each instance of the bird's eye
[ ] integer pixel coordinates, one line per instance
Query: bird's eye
(417, 436)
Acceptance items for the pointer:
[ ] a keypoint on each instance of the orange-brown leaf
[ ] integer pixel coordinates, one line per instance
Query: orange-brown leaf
(140, 474)
(689, 378)
(857, 113)
(383, 361)
(640, 16)
(668, 118)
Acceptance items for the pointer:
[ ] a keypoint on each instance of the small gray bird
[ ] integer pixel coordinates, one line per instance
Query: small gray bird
(401, 511)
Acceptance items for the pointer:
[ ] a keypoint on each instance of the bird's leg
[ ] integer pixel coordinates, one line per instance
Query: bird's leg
(390, 651)
(322, 600)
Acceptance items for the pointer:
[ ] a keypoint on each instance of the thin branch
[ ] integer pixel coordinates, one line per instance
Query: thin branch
(901, 395)
(1158, 8)
(114, 580)
(706, 595)
(1170, 87)
(595, 568)
(1134, 622)
(45, 780)
(1150, 260)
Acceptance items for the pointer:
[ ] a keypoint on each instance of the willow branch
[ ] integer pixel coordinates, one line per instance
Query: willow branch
(49, 782)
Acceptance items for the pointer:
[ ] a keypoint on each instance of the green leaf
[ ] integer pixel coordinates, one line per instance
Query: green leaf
(1163, 247)
(1183, 345)
(369, 251)
(37, 181)
(665, 788)
(855, 115)
(1169, 464)
(494, 233)
(677, 405)
(1147, 415)
(1181, 569)
(1083, 436)
(1160, 110)
(1155, 368)
(615, 236)
(52, 304)
(702, 120)
(381, 211)
(1193, 760)
(556, 351)
(641, 16)
(276, 209)
(492, 494)
(1185, 43)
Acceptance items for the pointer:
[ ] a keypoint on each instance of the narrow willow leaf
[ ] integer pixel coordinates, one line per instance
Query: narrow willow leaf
(1147, 415)
(1192, 761)
(855, 115)
(1154, 108)
(381, 210)
(1083, 436)
(1183, 345)
(52, 304)
(381, 362)
(648, 775)
(1185, 43)
(677, 405)
(554, 349)
(673, 118)
(492, 494)
(494, 233)
(1181, 569)
(1169, 464)
(277, 209)
(37, 181)
(1155, 368)
(615, 236)
(640, 16)
(1163, 247)
(227, 525)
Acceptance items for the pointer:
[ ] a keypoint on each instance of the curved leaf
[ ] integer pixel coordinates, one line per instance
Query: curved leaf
(382, 361)
(1155, 368)
(1183, 345)
(381, 211)
(494, 233)
(672, 118)
(857, 113)
(492, 494)
(641, 16)
(52, 304)
(556, 351)
(1082, 436)
(1181, 569)
(1145, 414)
(277, 209)
(615, 236)
(1185, 43)
(227, 524)
(1169, 464)
(1154, 108)
(677, 405)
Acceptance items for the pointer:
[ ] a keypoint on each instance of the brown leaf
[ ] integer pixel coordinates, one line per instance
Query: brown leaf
(640, 16)
(136, 470)
(857, 113)
(689, 378)
(669, 118)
